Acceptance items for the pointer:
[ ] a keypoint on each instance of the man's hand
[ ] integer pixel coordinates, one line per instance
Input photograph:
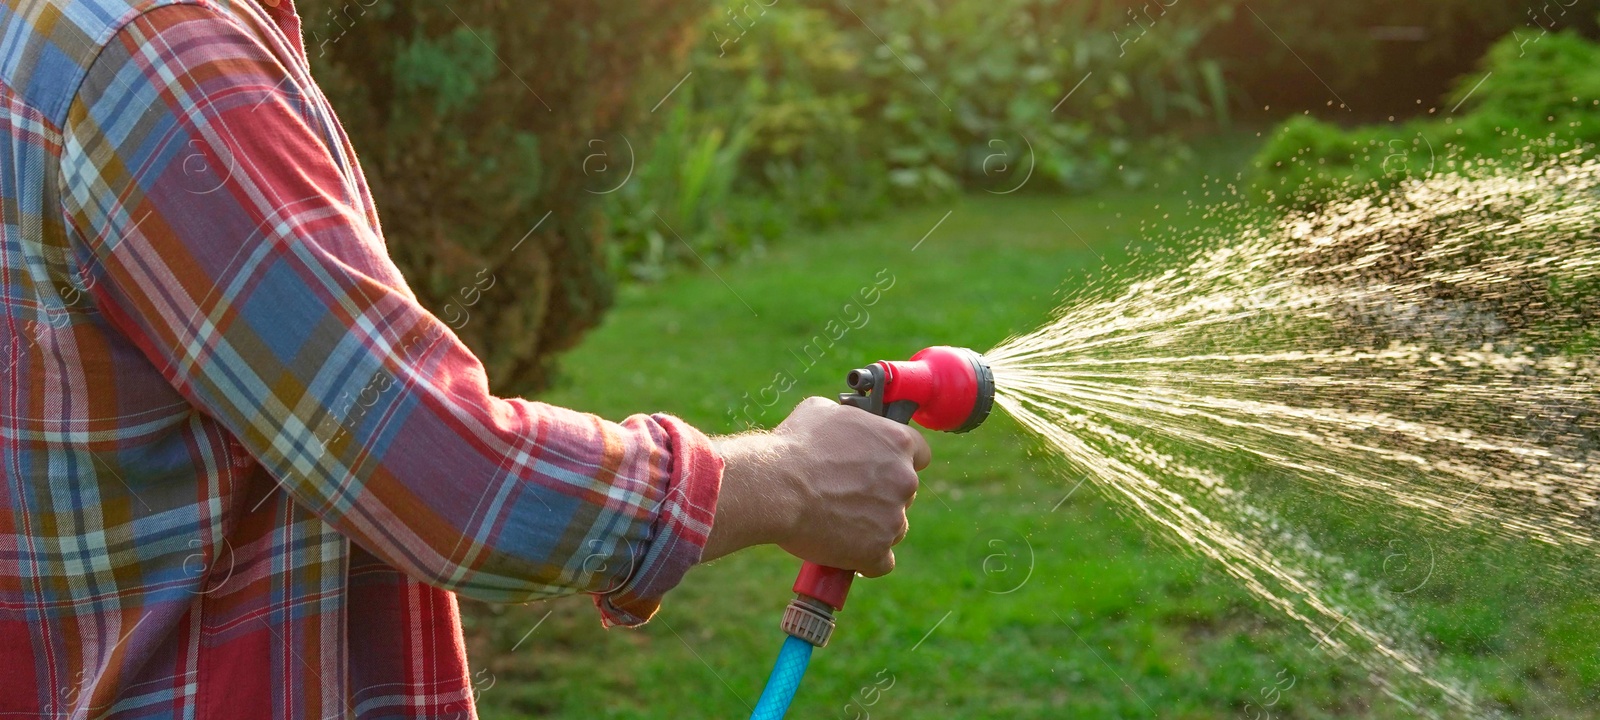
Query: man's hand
(831, 484)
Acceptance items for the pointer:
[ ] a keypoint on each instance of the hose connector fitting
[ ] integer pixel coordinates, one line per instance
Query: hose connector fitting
(808, 619)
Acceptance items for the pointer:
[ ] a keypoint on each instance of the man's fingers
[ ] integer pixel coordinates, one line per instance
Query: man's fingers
(882, 567)
(816, 401)
(900, 437)
(921, 454)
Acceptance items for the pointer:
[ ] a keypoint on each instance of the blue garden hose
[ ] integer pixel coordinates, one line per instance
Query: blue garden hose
(784, 680)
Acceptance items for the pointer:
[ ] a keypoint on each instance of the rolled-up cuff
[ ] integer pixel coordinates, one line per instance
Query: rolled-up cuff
(678, 537)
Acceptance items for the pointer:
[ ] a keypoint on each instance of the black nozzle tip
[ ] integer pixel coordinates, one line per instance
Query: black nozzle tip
(860, 379)
(984, 403)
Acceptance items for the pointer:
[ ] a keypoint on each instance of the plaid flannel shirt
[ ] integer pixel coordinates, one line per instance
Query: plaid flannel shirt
(245, 472)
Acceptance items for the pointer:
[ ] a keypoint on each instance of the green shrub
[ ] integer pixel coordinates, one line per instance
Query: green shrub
(684, 185)
(473, 120)
(1525, 101)
(838, 111)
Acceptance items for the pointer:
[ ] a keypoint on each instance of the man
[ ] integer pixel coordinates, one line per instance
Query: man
(246, 473)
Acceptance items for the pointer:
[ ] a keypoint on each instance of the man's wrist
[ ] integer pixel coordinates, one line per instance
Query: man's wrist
(758, 504)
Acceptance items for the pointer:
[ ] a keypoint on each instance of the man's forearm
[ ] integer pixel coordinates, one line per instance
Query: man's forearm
(830, 484)
(757, 504)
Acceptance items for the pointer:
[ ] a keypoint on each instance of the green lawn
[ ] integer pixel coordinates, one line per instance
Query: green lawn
(1080, 612)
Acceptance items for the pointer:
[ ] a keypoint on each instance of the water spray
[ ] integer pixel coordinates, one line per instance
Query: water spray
(1431, 350)
(939, 388)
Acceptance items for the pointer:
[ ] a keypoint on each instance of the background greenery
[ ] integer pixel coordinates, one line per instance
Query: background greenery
(730, 174)
(666, 132)
(1528, 98)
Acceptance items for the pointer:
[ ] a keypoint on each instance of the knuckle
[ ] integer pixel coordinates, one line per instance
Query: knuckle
(894, 531)
(884, 538)
(865, 422)
(907, 482)
(881, 563)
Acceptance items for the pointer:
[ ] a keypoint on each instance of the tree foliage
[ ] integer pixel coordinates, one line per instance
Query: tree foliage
(473, 120)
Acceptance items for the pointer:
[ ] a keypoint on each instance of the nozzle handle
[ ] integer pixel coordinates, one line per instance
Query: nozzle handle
(900, 411)
(824, 584)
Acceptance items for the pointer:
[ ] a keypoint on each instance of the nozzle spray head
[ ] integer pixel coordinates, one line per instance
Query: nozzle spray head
(939, 388)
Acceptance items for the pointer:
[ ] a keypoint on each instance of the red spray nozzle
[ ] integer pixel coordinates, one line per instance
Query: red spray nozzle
(940, 388)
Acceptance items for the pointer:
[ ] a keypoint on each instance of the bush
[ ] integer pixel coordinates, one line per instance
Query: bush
(826, 113)
(473, 120)
(1377, 55)
(1527, 100)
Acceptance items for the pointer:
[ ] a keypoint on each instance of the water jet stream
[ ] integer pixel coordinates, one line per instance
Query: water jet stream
(1430, 349)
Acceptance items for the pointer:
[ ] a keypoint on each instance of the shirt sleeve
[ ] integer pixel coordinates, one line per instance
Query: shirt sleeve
(222, 231)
